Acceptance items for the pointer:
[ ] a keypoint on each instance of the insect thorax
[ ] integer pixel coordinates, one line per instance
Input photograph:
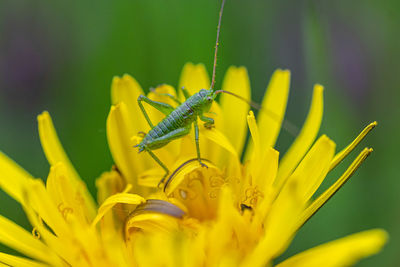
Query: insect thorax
(201, 101)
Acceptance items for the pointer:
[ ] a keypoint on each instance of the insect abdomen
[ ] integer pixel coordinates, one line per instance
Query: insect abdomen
(181, 116)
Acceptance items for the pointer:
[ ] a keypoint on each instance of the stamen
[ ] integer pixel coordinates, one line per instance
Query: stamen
(324, 197)
(243, 207)
(35, 233)
(64, 210)
(346, 151)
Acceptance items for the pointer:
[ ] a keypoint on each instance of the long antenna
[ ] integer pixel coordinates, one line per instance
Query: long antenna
(288, 126)
(216, 45)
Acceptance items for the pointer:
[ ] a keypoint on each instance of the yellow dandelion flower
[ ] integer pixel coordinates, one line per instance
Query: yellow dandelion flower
(229, 214)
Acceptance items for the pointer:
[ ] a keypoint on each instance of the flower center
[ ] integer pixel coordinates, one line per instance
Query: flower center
(199, 192)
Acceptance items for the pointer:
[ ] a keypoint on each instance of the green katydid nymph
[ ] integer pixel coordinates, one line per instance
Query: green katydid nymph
(178, 121)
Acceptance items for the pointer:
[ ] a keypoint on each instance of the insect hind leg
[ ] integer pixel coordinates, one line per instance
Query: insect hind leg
(159, 163)
(162, 107)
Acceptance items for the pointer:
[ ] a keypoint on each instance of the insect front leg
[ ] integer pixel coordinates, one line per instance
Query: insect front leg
(196, 136)
(163, 107)
(208, 122)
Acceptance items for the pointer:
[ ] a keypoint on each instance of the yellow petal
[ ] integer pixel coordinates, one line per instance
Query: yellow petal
(194, 78)
(51, 144)
(150, 222)
(91, 247)
(233, 109)
(126, 157)
(255, 137)
(263, 165)
(342, 154)
(108, 184)
(171, 150)
(274, 102)
(325, 196)
(173, 252)
(151, 177)
(38, 198)
(342, 252)
(207, 146)
(266, 175)
(196, 253)
(55, 153)
(110, 202)
(14, 236)
(18, 183)
(13, 178)
(220, 141)
(57, 243)
(126, 89)
(305, 138)
(181, 168)
(10, 260)
(313, 168)
(64, 195)
(235, 224)
(221, 234)
(116, 250)
(264, 182)
(53, 229)
(84, 246)
(119, 132)
(279, 229)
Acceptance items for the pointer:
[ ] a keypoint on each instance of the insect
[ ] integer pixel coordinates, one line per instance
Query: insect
(178, 121)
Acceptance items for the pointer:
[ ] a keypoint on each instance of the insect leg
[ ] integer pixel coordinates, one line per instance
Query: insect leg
(196, 135)
(209, 122)
(185, 92)
(174, 98)
(163, 107)
(141, 134)
(163, 140)
(159, 163)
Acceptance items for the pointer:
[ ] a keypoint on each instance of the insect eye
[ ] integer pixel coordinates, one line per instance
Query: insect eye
(209, 98)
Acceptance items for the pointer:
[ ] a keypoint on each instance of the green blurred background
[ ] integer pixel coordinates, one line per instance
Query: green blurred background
(60, 56)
